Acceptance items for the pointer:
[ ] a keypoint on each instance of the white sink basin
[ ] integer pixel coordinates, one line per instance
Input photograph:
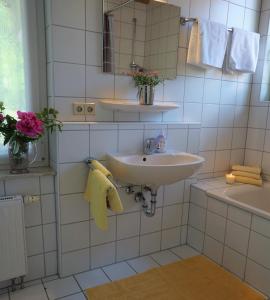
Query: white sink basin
(154, 170)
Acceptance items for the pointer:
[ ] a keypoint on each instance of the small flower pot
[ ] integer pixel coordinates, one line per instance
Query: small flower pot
(146, 94)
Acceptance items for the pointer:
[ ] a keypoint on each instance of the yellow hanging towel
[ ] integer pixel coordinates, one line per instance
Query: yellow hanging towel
(101, 193)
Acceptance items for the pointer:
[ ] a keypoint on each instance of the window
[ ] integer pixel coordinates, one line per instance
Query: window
(12, 61)
(22, 59)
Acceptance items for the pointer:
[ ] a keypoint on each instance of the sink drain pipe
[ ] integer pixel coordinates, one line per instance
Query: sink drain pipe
(149, 209)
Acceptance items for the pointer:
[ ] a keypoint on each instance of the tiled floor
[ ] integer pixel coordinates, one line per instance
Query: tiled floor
(72, 288)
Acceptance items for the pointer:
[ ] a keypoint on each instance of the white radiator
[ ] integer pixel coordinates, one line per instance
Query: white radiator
(13, 260)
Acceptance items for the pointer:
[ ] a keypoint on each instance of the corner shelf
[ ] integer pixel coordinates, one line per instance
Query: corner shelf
(133, 106)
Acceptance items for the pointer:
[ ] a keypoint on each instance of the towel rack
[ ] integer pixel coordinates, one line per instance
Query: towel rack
(88, 161)
(128, 188)
(184, 21)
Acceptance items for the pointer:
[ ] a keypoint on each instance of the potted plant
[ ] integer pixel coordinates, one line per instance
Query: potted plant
(29, 127)
(146, 82)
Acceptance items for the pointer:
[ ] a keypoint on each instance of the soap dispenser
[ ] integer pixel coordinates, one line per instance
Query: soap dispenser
(161, 143)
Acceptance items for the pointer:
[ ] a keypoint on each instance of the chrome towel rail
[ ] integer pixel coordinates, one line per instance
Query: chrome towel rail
(184, 21)
(128, 188)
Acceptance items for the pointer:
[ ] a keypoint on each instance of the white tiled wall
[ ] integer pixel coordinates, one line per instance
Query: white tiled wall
(220, 101)
(40, 223)
(232, 237)
(81, 244)
(258, 134)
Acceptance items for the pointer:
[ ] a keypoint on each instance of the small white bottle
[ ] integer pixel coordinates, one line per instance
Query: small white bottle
(161, 143)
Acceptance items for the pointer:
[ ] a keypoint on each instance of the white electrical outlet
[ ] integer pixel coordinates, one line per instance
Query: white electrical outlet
(79, 108)
(90, 108)
(31, 199)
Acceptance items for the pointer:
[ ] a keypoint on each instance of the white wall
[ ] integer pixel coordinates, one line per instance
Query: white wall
(258, 137)
(218, 100)
(81, 244)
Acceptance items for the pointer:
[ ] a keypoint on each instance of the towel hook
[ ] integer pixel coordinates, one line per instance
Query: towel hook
(88, 161)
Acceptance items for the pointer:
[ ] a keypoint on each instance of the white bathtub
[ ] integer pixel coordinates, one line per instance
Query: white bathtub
(231, 225)
(252, 198)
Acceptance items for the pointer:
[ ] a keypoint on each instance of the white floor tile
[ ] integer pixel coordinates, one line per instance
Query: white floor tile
(50, 278)
(165, 257)
(119, 271)
(185, 252)
(32, 282)
(79, 296)
(92, 278)
(61, 288)
(142, 264)
(35, 292)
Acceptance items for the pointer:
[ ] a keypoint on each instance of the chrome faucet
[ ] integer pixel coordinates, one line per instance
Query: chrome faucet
(150, 146)
(154, 145)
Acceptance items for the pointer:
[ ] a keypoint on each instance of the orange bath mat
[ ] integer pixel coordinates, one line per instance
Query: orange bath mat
(196, 278)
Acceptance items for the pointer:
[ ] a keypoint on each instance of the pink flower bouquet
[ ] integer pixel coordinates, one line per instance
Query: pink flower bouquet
(27, 128)
(29, 125)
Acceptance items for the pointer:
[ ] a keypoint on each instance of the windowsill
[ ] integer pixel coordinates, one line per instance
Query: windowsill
(33, 172)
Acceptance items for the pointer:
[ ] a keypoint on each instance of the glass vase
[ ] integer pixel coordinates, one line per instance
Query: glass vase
(146, 94)
(18, 157)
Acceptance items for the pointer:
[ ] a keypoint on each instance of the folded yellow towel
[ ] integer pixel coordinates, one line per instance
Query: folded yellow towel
(255, 170)
(97, 165)
(248, 180)
(246, 174)
(100, 191)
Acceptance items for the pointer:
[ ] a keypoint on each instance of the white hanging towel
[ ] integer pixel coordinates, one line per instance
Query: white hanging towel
(243, 51)
(207, 44)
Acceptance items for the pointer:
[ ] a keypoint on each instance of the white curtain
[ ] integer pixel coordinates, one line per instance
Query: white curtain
(12, 61)
(21, 40)
(34, 53)
(22, 56)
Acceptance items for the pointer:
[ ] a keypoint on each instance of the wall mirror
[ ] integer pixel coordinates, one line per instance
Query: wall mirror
(140, 35)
